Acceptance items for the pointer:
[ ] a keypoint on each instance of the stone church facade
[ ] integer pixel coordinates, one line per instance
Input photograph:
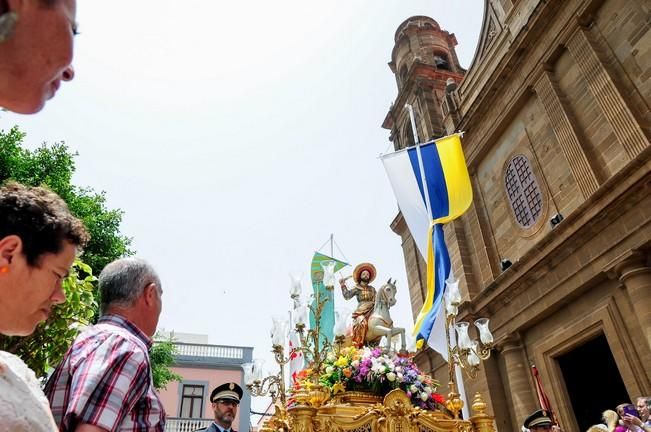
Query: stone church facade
(556, 247)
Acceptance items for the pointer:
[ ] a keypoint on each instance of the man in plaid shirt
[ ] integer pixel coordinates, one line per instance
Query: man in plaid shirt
(104, 382)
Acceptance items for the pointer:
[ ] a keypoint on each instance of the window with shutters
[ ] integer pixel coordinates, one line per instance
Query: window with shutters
(523, 191)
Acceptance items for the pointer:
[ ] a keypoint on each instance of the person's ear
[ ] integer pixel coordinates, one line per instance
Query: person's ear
(151, 294)
(10, 247)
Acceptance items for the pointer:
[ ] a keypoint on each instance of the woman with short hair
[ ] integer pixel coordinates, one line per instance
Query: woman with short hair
(39, 239)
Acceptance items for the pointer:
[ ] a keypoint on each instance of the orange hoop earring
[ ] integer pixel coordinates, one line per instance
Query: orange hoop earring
(4, 269)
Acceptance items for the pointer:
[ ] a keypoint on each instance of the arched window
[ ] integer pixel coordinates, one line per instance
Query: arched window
(523, 191)
(441, 61)
(408, 134)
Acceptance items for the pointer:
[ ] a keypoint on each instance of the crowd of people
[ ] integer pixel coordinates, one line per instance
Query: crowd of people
(625, 418)
(104, 382)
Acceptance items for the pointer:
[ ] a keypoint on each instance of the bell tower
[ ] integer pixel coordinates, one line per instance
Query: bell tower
(427, 72)
(426, 69)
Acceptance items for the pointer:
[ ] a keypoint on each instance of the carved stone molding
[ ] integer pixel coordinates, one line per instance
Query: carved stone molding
(549, 96)
(623, 122)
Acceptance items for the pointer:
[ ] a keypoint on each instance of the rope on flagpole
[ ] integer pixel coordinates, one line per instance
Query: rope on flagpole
(339, 249)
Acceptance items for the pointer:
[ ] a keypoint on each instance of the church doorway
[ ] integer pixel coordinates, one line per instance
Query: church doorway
(592, 380)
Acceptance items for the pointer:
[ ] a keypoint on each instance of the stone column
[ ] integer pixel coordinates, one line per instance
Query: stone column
(518, 383)
(635, 274)
(601, 85)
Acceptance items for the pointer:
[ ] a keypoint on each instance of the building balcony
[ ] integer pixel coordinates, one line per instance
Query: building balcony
(206, 354)
(178, 424)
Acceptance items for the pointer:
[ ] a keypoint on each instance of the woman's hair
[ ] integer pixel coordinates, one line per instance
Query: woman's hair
(40, 218)
(610, 417)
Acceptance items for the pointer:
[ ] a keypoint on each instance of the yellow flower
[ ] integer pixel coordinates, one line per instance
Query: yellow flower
(338, 388)
(341, 361)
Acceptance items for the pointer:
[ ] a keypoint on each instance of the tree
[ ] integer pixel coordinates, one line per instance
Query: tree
(162, 357)
(53, 166)
(46, 346)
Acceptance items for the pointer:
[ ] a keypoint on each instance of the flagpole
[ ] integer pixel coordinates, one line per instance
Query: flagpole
(420, 159)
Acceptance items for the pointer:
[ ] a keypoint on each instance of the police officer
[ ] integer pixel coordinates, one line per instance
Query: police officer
(225, 400)
(540, 421)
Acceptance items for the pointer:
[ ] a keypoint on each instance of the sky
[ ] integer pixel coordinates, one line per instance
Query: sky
(237, 137)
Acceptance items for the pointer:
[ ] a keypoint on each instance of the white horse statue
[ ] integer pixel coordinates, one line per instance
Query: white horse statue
(380, 322)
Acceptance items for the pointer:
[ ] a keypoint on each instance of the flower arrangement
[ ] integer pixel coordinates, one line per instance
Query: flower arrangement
(372, 369)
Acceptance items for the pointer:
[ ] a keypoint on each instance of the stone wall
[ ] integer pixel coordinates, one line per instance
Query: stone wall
(564, 83)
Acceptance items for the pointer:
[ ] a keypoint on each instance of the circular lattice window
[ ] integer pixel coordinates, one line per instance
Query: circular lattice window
(523, 191)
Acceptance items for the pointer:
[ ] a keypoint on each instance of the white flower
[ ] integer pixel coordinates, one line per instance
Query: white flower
(391, 376)
(331, 357)
(377, 366)
(400, 377)
(329, 369)
(355, 363)
(427, 389)
(420, 378)
(398, 368)
(413, 388)
(424, 396)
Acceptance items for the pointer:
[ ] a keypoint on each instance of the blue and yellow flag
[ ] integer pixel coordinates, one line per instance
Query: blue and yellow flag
(432, 186)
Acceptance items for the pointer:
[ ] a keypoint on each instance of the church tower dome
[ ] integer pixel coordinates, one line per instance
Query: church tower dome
(427, 71)
(419, 39)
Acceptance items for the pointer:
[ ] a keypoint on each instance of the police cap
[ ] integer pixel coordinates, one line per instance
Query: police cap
(538, 418)
(227, 391)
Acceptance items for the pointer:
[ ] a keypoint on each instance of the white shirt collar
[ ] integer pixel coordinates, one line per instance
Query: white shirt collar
(221, 429)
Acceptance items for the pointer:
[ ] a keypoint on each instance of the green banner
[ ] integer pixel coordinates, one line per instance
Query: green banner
(327, 321)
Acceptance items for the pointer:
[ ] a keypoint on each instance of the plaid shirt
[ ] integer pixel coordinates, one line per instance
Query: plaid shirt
(105, 380)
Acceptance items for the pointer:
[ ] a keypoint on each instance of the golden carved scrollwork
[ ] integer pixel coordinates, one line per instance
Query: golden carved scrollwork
(357, 412)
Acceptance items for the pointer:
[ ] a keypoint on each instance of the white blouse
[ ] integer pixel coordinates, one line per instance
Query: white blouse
(23, 406)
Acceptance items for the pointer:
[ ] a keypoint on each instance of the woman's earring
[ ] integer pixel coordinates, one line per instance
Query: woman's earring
(4, 269)
(7, 24)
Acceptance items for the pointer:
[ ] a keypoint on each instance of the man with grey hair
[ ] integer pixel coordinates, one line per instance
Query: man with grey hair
(642, 404)
(104, 382)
